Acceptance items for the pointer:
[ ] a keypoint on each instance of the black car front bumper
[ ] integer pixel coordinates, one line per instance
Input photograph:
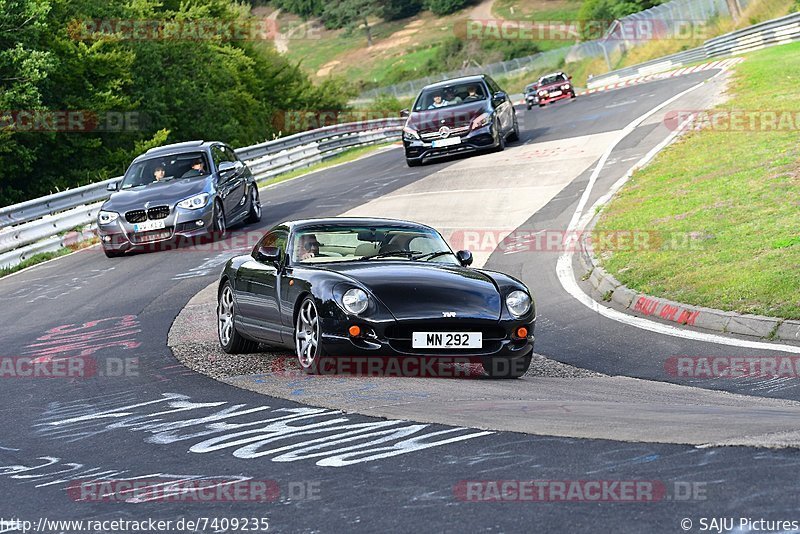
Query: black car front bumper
(394, 338)
(485, 138)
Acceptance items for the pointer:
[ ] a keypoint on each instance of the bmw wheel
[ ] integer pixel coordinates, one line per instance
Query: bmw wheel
(220, 230)
(229, 339)
(307, 338)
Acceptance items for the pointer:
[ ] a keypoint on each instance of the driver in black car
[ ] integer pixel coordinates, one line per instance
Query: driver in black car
(307, 247)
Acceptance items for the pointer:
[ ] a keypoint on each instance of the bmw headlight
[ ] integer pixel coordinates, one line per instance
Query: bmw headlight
(355, 301)
(194, 203)
(410, 133)
(518, 303)
(565, 87)
(107, 217)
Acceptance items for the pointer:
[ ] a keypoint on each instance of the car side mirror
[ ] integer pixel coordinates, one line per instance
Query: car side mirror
(265, 254)
(464, 257)
(404, 113)
(499, 97)
(229, 168)
(569, 77)
(112, 186)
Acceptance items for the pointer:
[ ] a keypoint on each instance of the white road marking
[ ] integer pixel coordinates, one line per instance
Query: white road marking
(580, 219)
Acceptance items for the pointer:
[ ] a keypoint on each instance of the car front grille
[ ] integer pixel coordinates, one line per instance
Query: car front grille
(453, 131)
(136, 216)
(155, 213)
(158, 212)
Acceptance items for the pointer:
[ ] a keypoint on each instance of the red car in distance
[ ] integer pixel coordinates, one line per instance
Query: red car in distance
(553, 87)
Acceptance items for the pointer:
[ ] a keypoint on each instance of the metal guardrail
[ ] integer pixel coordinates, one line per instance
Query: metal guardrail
(770, 33)
(49, 223)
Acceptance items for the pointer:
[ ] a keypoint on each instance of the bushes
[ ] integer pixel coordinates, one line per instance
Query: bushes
(172, 89)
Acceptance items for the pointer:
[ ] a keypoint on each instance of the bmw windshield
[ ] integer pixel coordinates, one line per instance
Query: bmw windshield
(166, 168)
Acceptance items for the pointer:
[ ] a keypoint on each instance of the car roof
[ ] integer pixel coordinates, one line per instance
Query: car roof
(462, 79)
(177, 148)
(352, 221)
(552, 74)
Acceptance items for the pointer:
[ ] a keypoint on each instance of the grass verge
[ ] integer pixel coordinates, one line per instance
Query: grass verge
(47, 256)
(728, 197)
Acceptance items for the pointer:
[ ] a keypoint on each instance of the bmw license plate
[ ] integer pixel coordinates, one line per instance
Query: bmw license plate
(555, 93)
(148, 226)
(450, 141)
(447, 340)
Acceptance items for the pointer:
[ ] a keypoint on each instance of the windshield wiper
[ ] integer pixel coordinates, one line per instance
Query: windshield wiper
(431, 255)
(407, 253)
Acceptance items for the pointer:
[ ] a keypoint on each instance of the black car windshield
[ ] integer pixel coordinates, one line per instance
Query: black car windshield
(165, 168)
(330, 244)
(552, 78)
(450, 95)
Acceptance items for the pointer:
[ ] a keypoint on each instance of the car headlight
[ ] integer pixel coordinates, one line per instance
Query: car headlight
(194, 203)
(410, 133)
(518, 303)
(107, 217)
(355, 301)
(565, 87)
(542, 93)
(481, 120)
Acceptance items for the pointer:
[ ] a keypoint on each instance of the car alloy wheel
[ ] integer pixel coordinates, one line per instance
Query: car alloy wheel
(225, 316)
(231, 341)
(255, 206)
(307, 334)
(219, 222)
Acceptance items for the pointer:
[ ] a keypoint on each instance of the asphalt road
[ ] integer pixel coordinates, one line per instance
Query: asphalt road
(384, 474)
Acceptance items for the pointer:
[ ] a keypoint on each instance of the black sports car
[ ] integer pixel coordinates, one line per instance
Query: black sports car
(355, 287)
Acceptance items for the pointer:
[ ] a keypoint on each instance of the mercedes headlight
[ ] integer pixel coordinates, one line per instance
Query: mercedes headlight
(107, 217)
(481, 120)
(194, 203)
(410, 133)
(518, 303)
(355, 301)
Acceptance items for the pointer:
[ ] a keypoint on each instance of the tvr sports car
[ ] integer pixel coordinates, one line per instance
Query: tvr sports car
(177, 192)
(359, 287)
